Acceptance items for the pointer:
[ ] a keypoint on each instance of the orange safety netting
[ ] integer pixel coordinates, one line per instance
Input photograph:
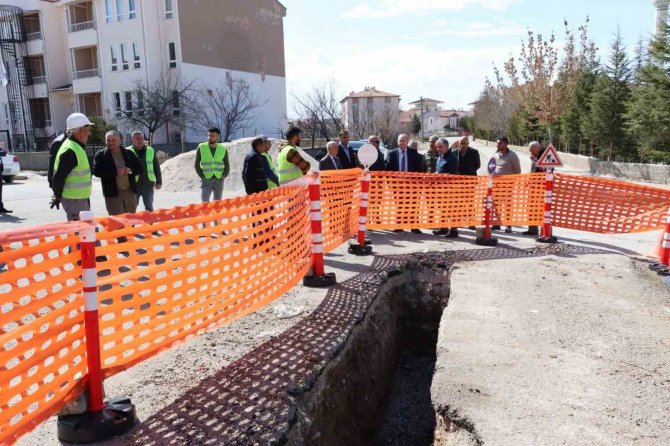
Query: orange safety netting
(171, 275)
(400, 200)
(608, 206)
(42, 346)
(340, 202)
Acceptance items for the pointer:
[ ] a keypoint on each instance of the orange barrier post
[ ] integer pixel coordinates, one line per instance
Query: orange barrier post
(487, 240)
(663, 266)
(319, 278)
(363, 248)
(101, 421)
(547, 236)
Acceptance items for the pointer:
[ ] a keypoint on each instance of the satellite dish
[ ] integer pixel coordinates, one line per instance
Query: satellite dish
(367, 155)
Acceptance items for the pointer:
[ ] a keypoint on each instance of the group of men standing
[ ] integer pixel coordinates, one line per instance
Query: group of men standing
(127, 174)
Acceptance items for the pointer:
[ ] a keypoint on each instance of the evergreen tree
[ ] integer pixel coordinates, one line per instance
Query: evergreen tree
(649, 108)
(608, 102)
(574, 128)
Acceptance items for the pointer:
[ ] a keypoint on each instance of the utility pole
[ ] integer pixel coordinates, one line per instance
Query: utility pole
(421, 118)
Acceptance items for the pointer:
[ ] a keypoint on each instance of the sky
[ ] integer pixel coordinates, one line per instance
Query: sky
(440, 49)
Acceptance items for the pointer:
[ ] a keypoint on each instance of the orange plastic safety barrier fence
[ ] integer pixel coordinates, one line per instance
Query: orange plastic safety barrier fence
(400, 200)
(608, 206)
(42, 347)
(189, 270)
(340, 200)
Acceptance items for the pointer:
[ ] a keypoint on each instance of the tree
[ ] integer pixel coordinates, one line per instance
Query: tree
(229, 107)
(415, 125)
(540, 80)
(494, 110)
(320, 104)
(386, 125)
(608, 101)
(648, 111)
(98, 130)
(152, 106)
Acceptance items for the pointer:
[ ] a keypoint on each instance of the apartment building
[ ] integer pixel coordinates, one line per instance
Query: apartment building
(88, 55)
(370, 111)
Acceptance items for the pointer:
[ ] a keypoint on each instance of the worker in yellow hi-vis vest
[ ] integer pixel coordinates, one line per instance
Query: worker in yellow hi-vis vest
(211, 165)
(151, 177)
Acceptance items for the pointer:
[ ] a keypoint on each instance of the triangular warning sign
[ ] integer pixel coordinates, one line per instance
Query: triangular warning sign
(549, 158)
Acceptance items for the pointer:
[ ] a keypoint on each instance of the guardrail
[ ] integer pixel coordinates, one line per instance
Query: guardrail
(34, 36)
(81, 26)
(84, 74)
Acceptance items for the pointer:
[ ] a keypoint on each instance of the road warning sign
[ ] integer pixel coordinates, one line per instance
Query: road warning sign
(549, 158)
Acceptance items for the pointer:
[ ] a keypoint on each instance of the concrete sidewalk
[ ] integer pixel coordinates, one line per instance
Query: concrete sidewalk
(555, 351)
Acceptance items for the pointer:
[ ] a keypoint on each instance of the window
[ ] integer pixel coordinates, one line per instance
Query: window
(114, 59)
(109, 14)
(128, 96)
(168, 9)
(140, 103)
(172, 54)
(136, 56)
(119, 10)
(175, 103)
(131, 9)
(176, 137)
(6, 115)
(116, 102)
(124, 56)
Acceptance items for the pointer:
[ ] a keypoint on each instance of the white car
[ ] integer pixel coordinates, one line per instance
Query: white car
(11, 166)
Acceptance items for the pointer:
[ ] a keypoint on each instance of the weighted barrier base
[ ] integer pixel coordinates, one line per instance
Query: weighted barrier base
(360, 250)
(481, 241)
(665, 271)
(552, 240)
(117, 418)
(324, 281)
(657, 266)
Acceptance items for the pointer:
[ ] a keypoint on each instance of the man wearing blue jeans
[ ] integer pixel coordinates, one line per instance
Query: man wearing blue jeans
(150, 178)
(211, 165)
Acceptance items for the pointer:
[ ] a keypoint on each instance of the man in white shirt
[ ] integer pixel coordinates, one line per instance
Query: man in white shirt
(331, 161)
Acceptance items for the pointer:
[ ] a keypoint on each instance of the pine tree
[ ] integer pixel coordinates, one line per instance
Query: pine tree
(608, 102)
(649, 108)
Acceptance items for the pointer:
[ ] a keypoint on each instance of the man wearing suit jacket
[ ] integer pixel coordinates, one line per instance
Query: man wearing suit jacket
(331, 161)
(404, 159)
(345, 152)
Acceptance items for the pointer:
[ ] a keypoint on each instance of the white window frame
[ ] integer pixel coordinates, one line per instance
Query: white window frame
(114, 59)
(132, 9)
(172, 48)
(125, 65)
(136, 56)
(128, 102)
(116, 104)
(109, 11)
(169, 9)
(119, 10)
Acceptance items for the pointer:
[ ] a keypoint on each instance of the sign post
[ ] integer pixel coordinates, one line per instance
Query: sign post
(486, 239)
(367, 155)
(549, 160)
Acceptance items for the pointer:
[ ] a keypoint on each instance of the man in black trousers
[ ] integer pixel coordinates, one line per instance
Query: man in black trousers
(404, 159)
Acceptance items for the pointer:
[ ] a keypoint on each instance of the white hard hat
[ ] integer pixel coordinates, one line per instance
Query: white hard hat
(76, 120)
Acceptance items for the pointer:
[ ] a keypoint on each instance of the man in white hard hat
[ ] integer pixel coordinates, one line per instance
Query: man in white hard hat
(71, 182)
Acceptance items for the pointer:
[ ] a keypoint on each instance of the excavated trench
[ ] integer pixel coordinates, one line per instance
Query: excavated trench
(377, 390)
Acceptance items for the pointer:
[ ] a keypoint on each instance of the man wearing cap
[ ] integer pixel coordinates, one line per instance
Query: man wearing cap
(117, 169)
(150, 178)
(290, 162)
(71, 182)
(212, 166)
(507, 163)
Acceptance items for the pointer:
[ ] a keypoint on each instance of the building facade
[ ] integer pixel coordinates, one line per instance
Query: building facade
(370, 111)
(90, 55)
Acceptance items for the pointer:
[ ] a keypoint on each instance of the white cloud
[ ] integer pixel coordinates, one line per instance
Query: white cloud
(473, 29)
(395, 8)
(453, 75)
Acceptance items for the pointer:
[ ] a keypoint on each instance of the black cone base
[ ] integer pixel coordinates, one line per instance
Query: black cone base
(117, 418)
(360, 250)
(552, 240)
(324, 281)
(481, 241)
(656, 266)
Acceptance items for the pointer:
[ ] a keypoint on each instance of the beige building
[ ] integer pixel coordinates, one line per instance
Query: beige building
(87, 55)
(435, 118)
(370, 111)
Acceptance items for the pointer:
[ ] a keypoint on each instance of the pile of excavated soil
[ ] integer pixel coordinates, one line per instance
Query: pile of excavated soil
(179, 172)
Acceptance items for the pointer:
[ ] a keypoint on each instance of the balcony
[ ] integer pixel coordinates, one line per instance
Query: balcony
(83, 26)
(81, 35)
(37, 35)
(85, 74)
(86, 81)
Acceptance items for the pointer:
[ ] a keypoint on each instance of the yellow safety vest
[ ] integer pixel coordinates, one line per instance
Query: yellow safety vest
(78, 183)
(149, 159)
(287, 170)
(212, 166)
(271, 184)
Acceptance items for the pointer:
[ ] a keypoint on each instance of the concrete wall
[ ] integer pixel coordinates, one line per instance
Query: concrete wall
(33, 160)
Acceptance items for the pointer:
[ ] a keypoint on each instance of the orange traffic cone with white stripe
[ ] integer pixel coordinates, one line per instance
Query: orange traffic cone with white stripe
(663, 251)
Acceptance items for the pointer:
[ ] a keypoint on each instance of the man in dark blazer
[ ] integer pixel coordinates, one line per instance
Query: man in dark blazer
(253, 175)
(117, 167)
(331, 161)
(345, 152)
(380, 164)
(404, 159)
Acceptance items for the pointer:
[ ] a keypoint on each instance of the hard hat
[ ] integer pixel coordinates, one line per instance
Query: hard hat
(76, 120)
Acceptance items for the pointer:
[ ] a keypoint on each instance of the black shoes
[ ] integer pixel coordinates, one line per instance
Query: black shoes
(453, 233)
(441, 231)
(416, 231)
(531, 231)
(495, 228)
(398, 230)
(3, 210)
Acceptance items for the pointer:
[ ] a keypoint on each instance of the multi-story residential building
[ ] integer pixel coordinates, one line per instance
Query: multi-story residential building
(89, 55)
(370, 111)
(435, 119)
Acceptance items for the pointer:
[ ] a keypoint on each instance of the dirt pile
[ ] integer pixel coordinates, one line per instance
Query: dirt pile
(179, 172)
